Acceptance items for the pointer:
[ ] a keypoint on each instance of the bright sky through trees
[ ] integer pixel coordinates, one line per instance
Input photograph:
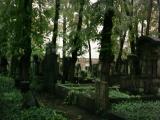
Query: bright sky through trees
(94, 45)
(93, 1)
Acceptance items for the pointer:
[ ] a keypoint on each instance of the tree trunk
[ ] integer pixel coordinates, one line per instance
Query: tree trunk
(142, 28)
(106, 55)
(132, 39)
(105, 58)
(150, 4)
(119, 58)
(26, 40)
(158, 1)
(90, 56)
(55, 29)
(64, 37)
(76, 41)
(64, 48)
(51, 66)
(131, 32)
(40, 15)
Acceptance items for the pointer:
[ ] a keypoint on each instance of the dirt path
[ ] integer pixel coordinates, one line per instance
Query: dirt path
(72, 112)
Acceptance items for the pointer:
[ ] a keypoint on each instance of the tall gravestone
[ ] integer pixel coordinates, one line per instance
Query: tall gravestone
(66, 71)
(50, 69)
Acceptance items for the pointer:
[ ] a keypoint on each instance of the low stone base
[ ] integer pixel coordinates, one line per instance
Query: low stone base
(102, 93)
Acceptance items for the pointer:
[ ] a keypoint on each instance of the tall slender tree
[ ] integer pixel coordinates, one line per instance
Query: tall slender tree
(55, 29)
(158, 3)
(106, 54)
(25, 9)
(77, 40)
(90, 55)
(149, 13)
(64, 47)
(119, 58)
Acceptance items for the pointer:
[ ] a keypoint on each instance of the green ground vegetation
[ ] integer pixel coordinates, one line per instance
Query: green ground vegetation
(10, 102)
(138, 110)
(89, 90)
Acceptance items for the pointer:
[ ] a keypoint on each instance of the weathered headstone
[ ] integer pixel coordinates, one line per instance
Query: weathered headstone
(50, 70)
(66, 71)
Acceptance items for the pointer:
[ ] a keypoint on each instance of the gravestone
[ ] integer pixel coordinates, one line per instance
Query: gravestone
(29, 97)
(66, 71)
(78, 73)
(96, 70)
(149, 56)
(50, 69)
(78, 70)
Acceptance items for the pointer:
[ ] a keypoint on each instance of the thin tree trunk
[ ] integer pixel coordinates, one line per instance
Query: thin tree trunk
(52, 57)
(106, 55)
(119, 58)
(132, 40)
(64, 37)
(150, 4)
(131, 31)
(90, 56)
(40, 15)
(55, 29)
(64, 48)
(26, 40)
(158, 1)
(105, 58)
(29, 99)
(142, 28)
(76, 41)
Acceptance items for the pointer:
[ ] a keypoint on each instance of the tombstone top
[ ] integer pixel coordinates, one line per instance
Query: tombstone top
(148, 40)
(148, 47)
